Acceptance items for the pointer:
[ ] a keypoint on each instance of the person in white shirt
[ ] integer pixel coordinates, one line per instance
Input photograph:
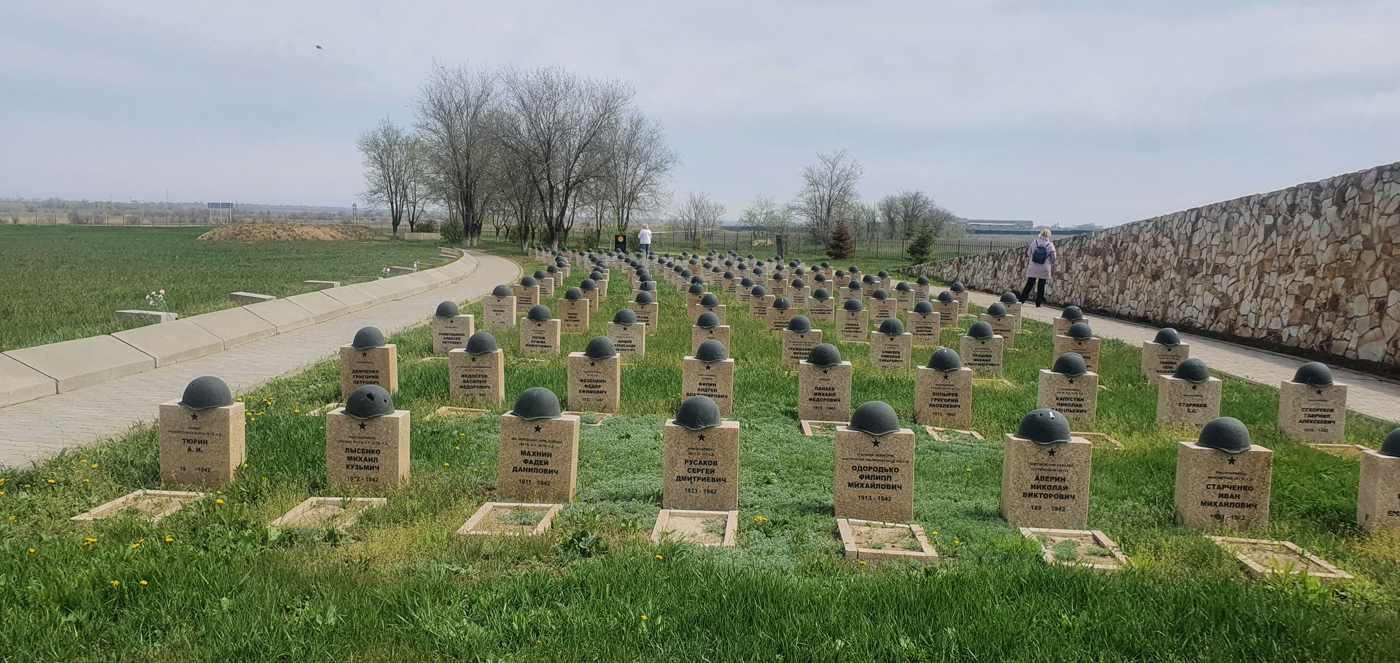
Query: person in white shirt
(644, 238)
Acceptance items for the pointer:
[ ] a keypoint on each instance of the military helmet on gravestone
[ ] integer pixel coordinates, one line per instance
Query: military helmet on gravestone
(746, 282)
(923, 308)
(541, 274)
(537, 403)
(799, 284)
(601, 347)
(800, 271)
(711, 351)
(819, 278)
(799, 323)
(540, 313)
(715, 270)
(528, 281)
(709, 299)
(996, 310)
(946, 297)
(891, 327)
(923, 280)
(551, 270)
(696, 289)
(854, 286)
(1167, 336)
(876, 418)
(867, 279)
(1070, 363)
(698, 413)
(1044, 427)
(794, 264)
(707, 320)
(369, 401)
(625, 317)
(881, 294)
(840, 272)
(206, 392)
(644, 297)
(729, 263)
(685, 273)
(1192, 370)
(573, 294)
(588, 284)
(598, 276)
(728, 275)
(1072, 313)
(647, 286)
(821, 294)
(1391, 445)
(1314, 373)
(447, 310)
(1009, 298)
(481, 343)
(697, 279)
(853, 305)
(1080, 331)
(853, 269)
(981, 330)
(368, 337)
(782, 303)
(501, 291)
(902, 286)
(958, 287)
(824, 354)
(945, 360)
(759, 291)
(1227, 434)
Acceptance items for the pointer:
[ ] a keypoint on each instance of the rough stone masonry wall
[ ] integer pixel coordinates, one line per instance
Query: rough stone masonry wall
(1311, 266)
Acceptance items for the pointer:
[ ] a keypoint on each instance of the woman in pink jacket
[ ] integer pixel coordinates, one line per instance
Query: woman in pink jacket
(1041, 254)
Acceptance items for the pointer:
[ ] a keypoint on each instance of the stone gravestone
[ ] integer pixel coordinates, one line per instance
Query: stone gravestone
(710, 304)
(369, 360)
(628, 335)
(882, 308)
(477, 373)
(367, 441)
(1068, 317)
(647, 311)
(1080, 340)
(700, 459)
(573, 312)
(1070, 389)
(538, 461)
(821, 307)
(891, 346)
(1188, 397)
(1045, 474)
(708, 328)
(925, 325)
(595, 377)
(1012, 304)
(759, 301)
(778, 286)
(1003, 324)
(539, 333)
(745, 290)
(1378, 503)
(547, 284)
(824, 386)
(960, 294)
(451, 329)
(852, 322)
(1312, 407)
(779, 314)
(498, 309)
(798, 340)
(590, 293)
(1223, 481)
(980, 349)
(709, 373)
(202, 435)
(527, 295)
(800, 293)
(692, 299)
(943, 391)
(1161, 355)
(947, 308)
(923, 291)
(875, 466)
(904, 296)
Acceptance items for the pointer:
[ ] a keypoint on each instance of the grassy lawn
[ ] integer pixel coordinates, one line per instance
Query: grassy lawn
(402, 586)
(63, 283)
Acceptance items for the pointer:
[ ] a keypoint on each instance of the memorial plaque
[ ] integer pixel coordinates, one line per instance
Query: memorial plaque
(1378, 503)
(573, 315)
(841, 280)
(778, 287)
(369, 366)
(478, 379)
(731, 286)
(1075, 396)
(852, 326)
(498, 312)
(595, 385)
(1186, 403)
(709, 378)
(700, 334)
(648, 314)
(1158, 359)
(961, 297)
(1088, 349)
(1219, 490)
(778, 318)
(371, 454)
(1312, 413)
(1005, 327)
(925, 328)
(797, 345)
(450, 333)
(700, 467)
(891, 351)
(525, 297)
(800, 296)
(947, 312)
(758, 306)
(875, 475)
(538, 460)
(822, 310)
(629, 339)
(692, 304)
(1046, 485)
(201, 447)
(824, 392)
(547, 286)
(539, 337)
(981, 354)
(745, 295)
(881, 309)
(943, 398)
(904, 299)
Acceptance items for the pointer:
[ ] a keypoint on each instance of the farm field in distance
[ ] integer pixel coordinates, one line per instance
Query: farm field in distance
(67, 282)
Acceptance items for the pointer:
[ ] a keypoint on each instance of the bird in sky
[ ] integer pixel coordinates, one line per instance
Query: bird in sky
(318, 47)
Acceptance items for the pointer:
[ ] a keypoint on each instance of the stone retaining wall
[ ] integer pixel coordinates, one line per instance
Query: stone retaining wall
(1312, 266)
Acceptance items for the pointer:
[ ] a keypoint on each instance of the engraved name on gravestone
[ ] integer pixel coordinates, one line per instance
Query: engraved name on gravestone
(874, 472)
(202, 435)
(369, 360)
(943, 392)
(1190, 397)
(647, 313)
(526, 296)
(629, 339)
(595, 378)
(574, 314)
(1075, 396)
(539, 334)
(700, 466)
(538, 460)
(981, 354)
(477, 373)
(824, 388)
(1312, 407)
(1046, 484)
(367, 442)
(711, 374)
(797, 345)
(451, 329)
(498, 309)
(852, 323)
(1223, 481)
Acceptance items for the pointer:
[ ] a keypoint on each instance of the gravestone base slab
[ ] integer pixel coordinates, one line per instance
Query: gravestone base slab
(703, 528)
(1262, 558)
(1088, 548)
(869, 541)
(151, 505)
(338, 512)
(494, 518)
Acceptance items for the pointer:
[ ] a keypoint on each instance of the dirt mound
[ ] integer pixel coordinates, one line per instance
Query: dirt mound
(286, 232)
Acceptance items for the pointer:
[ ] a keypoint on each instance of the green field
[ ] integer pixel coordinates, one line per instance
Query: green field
(63, 283)
(220, 585)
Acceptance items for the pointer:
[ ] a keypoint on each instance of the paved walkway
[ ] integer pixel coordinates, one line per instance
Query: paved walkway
(39, 429)
(1367, 394)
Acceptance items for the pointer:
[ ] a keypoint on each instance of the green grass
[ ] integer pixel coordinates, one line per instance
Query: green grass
(63, 283)
(402, 586)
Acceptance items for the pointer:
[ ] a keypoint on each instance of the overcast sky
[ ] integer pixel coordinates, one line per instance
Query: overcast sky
(1060, 112)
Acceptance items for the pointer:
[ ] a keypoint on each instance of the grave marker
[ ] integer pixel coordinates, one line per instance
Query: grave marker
(367, 442)
(498, 309)
(700, 469)
(943, 392)
(202, 435)
(1045, 475)
(1312, 407)
(875, 470)
(1223, 481)
(538, 460)
(477, 373)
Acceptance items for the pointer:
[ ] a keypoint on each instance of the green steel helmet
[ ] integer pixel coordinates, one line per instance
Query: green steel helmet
(759, 291)
(715, 270)
(881, 294)
(854, 286)
(728, 275)
(709, 300)
(923, 308)
(799, 323)
(647, 286)
(981, 330)
(794, 264)
(368, 337)
(902, 286)
(758, 271)
(711, 351)
(746, 282)
(853, 269)
(800, 271)
(551, 270)
(923, 280)
(821, 294)
(1044, 427)
(537, 403)
(368, 402)
(997, 309)
(697, 279)
(528, 281)
(799, 284)
(824, 354)
(685, 274)
(1391, 445)
(625, 317)
(1009, 298)
(1070, 363)
(696, 289)
(601, 347)
(1227, 434)
(876, 418)
(501, 291)
(588, 284)
(698, 413)
(206, 392)
(598, 276)
(1167, 336)
(644, 297)
(540, 313)
(729, 263)
(750, 256)
(840, 272)
(853, 305)
(819, 278)
(782, 303)
(946, 297)
(707, 320)
(883, 274)
(867, 279)
(481, 343)
(1314, 373)
(447, 310)
(891, 327)
(573, 294)
(1192, 370)
(958, 287)
(945, 360)
(1080, 331)
(541, 274)
(1072, 313)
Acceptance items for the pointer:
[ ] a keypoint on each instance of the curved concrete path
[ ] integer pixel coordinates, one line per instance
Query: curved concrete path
(39, 429)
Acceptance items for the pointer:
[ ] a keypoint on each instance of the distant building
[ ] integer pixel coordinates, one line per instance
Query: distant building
(998, 226)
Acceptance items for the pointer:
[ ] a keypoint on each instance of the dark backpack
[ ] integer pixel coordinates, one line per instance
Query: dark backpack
(1040, 254)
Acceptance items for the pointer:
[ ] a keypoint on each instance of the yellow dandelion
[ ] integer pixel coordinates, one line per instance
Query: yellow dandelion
(94, 466)
(218, 492)
(459, 448)
(115, 583)
(862, 563)
(135, 545)
(644, 617)
(935, 533)
(90, 540)
(660, 557)
(84, 481)
(760, 519)
(296, 411)
(169, 539)
(218, 501)
(323, 428)
(475, 470)
(51, 480)
(143, 582)
(31, 550)
(447, 464)
(969, 469)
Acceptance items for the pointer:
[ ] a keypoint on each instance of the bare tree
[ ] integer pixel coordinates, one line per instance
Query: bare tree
(914, 209)
(765, 216)
(389, 166)
(889, 208)
(638, 166)
(698, 215)
(454, 111)
(828, 187)
(418, 190)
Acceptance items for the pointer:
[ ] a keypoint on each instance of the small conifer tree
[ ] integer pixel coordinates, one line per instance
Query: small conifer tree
(841, 246)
